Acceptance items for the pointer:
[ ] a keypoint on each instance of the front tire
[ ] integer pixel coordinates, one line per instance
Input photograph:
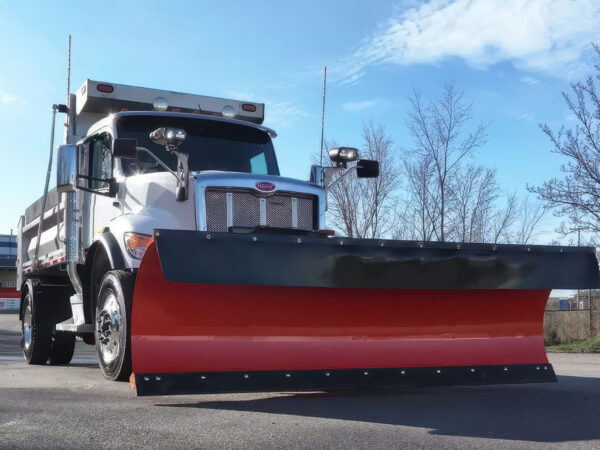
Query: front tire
(112, 324)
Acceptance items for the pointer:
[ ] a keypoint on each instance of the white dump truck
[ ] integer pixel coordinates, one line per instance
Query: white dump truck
(173, 244)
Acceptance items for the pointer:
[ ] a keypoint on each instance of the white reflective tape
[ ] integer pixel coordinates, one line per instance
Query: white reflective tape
(294, 212)
(263, 211)
(229, 198)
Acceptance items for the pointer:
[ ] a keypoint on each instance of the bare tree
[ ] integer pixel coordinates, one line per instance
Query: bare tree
(438, 132)
(531, 211)
(448, 198)
(577, 195)
(364, 208)
(504, 220)
(417, 217)
(472, 195)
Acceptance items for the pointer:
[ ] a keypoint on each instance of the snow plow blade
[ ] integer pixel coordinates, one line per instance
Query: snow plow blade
(225, 312)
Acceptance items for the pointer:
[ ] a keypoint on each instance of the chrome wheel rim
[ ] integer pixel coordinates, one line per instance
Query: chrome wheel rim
(27, 319)
(108, 330)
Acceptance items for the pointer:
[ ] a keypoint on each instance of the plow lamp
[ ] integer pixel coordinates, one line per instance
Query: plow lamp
(169, 137)
(343, 155)
(136, 243)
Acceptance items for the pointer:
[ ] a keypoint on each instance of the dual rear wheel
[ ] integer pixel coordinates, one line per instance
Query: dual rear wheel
(43, 308)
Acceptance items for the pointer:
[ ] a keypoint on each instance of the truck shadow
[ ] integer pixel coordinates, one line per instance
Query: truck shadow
(555, 412)
(10, 350)
(10, 343)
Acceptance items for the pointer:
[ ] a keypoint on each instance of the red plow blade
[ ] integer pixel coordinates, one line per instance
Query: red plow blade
(195, 337)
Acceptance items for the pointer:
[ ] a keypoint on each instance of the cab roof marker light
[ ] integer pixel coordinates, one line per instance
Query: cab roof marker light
(106, 88)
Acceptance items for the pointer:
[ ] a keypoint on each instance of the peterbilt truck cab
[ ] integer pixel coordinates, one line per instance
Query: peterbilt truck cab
(232, 181)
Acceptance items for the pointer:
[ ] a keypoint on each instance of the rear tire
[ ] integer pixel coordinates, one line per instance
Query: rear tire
(36, 325)
(61, 348)
(112, 324)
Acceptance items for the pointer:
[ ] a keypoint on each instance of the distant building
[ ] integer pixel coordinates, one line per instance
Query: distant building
(9, 296)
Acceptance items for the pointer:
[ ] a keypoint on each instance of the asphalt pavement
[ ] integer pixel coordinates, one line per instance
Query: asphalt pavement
(74, 407)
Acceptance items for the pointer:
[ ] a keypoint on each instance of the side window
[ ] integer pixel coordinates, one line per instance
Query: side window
(83, 157)
(101, 168)
(95, 165)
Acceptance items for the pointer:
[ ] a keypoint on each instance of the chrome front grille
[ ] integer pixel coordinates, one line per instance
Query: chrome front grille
(227, 208)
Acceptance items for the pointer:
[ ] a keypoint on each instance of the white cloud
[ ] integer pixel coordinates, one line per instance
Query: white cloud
(529, 80)
(357, 106)
(526, 117)
(243, 96)
(7, 98)
(282, 114)
(548, 36)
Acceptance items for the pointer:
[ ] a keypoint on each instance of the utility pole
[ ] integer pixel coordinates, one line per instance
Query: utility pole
(579, 229)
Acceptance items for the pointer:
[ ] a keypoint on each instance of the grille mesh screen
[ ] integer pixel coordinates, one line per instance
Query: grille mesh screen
(245, 210)
(216, 211)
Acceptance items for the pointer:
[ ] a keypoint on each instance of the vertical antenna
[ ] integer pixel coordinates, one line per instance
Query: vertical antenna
(68, 90)
(323, 113)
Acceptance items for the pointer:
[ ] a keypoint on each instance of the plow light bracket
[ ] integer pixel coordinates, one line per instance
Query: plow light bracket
(172, 138)
(322, 176)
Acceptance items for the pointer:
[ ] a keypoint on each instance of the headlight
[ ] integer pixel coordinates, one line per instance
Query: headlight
(136, 243)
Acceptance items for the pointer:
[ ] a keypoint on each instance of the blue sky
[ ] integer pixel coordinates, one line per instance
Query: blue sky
(512, 59)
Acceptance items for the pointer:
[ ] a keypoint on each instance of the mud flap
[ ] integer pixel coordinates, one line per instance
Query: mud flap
(285, 322)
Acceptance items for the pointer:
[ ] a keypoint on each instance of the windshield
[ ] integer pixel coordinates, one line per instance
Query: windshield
(212, 145)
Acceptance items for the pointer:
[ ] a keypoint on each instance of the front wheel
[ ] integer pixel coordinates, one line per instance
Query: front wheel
(112, 324)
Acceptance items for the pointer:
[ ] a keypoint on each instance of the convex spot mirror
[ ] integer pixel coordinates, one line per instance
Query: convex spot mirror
(125, 148)
(343, 155)
(169, 137)
(366, 168)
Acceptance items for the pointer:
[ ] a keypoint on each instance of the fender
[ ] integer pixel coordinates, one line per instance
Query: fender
(113, 261)
(109, 243)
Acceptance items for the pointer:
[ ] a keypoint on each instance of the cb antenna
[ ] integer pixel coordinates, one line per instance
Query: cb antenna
(323, 112)
(68, 86)
(69, 69)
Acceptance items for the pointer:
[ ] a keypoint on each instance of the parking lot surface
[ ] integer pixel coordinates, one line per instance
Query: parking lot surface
(74, 406)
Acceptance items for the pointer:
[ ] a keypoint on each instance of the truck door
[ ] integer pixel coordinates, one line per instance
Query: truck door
(96, 172)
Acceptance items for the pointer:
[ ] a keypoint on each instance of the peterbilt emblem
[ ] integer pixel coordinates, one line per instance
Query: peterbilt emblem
(265, 186)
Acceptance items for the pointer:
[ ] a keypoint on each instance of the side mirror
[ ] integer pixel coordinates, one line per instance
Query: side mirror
(66, 168)
(366, 168)
(125, 148)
